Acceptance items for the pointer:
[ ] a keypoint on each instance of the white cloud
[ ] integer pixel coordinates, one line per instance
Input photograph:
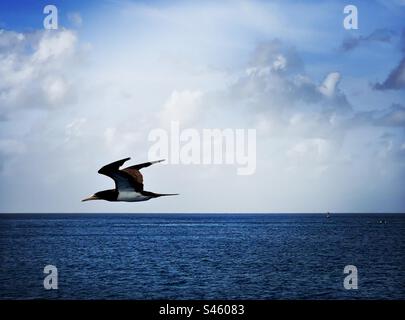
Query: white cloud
(74, 129)
(34, 69)
(120, 142)
(54, 46)
(329, 85)
(55, 90)
(10, 39)
(315, 150)
(182, 106)
(75, 18)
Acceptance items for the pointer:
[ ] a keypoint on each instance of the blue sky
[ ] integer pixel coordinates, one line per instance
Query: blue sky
(330, 118)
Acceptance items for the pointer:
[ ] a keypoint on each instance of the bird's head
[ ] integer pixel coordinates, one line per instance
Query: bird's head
(93, 197)
(109, 195)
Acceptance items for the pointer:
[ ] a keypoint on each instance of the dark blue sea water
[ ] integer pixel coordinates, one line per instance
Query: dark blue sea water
(198, 256)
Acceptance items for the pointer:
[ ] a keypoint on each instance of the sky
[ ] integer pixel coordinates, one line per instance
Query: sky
(327, 103)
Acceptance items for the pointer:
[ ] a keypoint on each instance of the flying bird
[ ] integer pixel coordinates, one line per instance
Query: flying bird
(128, 183)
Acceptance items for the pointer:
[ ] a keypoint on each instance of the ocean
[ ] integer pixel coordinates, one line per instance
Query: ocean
(202, 256)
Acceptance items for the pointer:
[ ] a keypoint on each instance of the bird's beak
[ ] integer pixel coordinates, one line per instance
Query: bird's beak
(93, 197)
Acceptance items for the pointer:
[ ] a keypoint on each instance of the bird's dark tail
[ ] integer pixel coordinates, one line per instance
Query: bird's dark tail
(156, 195)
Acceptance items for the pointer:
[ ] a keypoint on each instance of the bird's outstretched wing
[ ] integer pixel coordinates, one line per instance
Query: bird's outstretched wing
(135, 173)
(143, 165)
(123, 179)
(113, 166)
(129, 178)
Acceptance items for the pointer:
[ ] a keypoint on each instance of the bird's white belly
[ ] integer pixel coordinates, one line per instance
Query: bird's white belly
(131, 196)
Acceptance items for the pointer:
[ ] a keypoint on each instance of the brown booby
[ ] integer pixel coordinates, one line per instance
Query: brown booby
(128, 183)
